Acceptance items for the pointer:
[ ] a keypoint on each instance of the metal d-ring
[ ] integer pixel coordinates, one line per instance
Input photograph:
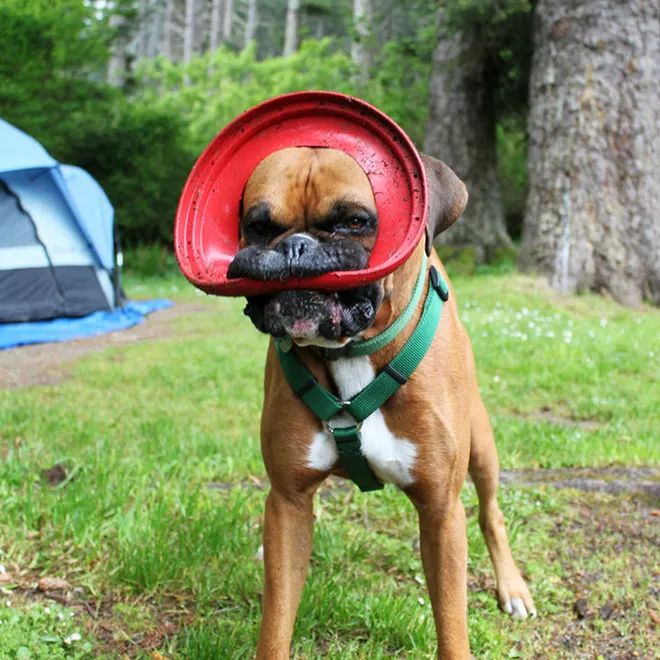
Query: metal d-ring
(331, 429)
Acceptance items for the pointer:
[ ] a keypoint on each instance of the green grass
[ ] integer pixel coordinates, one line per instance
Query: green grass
(39, 630)
(161, 518)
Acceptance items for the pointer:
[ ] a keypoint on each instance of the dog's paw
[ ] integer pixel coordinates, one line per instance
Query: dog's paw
(515, 598)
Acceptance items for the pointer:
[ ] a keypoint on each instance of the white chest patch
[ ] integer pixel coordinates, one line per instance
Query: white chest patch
(391, 458)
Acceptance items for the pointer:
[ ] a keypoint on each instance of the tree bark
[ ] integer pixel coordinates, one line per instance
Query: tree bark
(188, 30)
(215, 24)
(166, 47)
(362, 15)
(592, 216)
(118, 62)
(251, 22)
(227, 20)
(291, 32)
(461, 132)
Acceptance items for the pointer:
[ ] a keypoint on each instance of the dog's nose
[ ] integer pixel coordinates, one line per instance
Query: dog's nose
(294, 246)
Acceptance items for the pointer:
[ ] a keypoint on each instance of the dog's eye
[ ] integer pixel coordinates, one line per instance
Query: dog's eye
(260, 228)
(262, 231)
(346, 219)
(355, 222)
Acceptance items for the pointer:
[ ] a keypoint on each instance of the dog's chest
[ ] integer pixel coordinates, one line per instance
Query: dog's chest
(390, 457)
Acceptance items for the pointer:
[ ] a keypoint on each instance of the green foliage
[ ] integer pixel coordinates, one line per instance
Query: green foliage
(503, 29)
(512, 171)
(150, 261)
(399, 84)
(50, 55)
(458, 260)
(214, 88)
(140, 156)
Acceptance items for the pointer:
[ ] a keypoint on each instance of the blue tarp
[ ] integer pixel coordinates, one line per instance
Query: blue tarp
(65, 329)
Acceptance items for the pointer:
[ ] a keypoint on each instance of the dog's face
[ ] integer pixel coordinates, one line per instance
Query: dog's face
(306, 212)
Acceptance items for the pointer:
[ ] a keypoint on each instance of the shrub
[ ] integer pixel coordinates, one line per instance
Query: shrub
(213, 88)
(140, 157)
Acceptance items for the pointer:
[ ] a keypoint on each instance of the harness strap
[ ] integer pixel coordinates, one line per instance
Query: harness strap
(326, 405)
(402, 366)
(351, 458)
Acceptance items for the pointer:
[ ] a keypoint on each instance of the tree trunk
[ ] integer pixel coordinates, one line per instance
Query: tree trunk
(188, 30)
(227, 21)
(592, 217)
(461, 132)
(251, 22)
(360, 54)
(166, 47)
(118, 62)
(215, 24)
(291, 32)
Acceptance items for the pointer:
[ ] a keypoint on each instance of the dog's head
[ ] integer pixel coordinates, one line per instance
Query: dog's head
(309, 211)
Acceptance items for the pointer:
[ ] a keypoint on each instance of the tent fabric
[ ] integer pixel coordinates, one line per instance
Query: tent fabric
(57, 247)
(20, 151)
(27, 294)
(66, 329)
(91, 208)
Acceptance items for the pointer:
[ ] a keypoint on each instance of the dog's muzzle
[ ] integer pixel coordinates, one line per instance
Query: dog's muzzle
(310, 314)
(298, 255)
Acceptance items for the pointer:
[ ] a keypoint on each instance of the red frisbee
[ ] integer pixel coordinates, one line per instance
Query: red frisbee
(206, 232)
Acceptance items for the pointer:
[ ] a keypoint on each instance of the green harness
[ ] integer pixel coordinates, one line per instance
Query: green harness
(326, 405)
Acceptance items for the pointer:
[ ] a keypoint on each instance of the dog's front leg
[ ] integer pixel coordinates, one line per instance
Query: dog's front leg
(287, 547)
(443, 547)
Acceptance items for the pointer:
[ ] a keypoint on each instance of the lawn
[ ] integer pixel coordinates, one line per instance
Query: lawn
(154, 516)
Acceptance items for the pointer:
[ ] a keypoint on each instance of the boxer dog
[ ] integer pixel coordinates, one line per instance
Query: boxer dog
(308, 211)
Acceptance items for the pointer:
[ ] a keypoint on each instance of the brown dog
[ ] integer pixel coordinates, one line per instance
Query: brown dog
(303, 209)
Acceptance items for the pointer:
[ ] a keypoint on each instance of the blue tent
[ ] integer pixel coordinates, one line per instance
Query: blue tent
(59, 271)
(57, 245)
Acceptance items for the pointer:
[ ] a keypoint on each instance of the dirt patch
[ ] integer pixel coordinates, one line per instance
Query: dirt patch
(45, 364)
(643, 481)
(613, 480)
(546, 414)
(609, 563)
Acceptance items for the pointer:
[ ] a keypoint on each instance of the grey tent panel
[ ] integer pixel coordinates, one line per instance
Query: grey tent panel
(27, 294)
(17, 228)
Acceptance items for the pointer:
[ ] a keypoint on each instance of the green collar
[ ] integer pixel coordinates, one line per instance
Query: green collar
(326, 405)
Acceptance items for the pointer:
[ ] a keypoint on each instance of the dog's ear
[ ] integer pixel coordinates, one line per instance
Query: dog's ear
(447, 198)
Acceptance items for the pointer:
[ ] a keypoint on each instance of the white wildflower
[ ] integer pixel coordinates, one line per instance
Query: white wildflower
(73, 637)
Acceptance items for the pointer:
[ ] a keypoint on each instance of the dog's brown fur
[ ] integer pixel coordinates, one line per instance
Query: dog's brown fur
(439, 410)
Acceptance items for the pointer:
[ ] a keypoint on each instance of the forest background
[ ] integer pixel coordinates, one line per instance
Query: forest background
(132, 90)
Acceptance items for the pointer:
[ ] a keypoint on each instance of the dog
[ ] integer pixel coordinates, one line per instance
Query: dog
(308, 211)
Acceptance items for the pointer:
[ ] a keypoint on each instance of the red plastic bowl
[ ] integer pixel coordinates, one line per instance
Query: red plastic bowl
(206, 232)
